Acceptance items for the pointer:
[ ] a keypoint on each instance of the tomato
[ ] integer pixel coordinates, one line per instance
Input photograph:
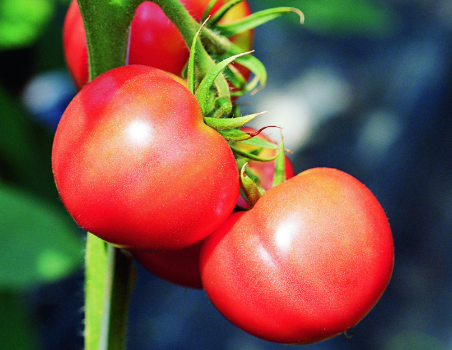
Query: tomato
(155, 41)
(136, 165)
(307, 262)
(263, 170)
(179, 266)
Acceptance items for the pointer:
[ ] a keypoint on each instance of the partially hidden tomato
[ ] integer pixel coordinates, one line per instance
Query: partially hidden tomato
(136, 165)
(307, 262)
(154, 41)
(179, 266)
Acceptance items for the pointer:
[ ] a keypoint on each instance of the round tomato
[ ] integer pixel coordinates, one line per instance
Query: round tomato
(154, 41)
(178, 266)
(306, 263)
(136, 165)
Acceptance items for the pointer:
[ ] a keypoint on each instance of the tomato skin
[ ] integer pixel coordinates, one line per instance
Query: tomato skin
(154, 39)
(136, 165)
(308, 262)
(179, 266)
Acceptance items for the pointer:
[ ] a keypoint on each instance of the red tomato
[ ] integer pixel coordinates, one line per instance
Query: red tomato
(155, 41)
(263, 170)
(136, 165)
(179, 266)
(308, 262)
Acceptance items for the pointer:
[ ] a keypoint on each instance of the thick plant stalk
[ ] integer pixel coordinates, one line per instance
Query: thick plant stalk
(109, 279)
(109, 271)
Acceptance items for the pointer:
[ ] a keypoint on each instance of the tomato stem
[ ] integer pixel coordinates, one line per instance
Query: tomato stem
(107, 31)
(109, 272)
(118, 286)
(109, 278)
(188, 27)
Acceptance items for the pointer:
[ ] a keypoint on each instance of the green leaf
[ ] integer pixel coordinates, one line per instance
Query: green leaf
(253, 64)
(191, 78)
(39, 242)
(414, 340)
(280, 163)
(24, 149)
(209, 7)
(230, 123)
(344, 17)
(23, 21)
(254, 20)
(235, 77)
(258, 142)
(222, 11)
(17, 329)
(251, 190)
(251, 155)
(205, 85)
(234, 134)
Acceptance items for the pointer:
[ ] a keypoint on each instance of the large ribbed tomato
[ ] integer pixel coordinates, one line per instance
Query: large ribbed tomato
(136, 165)
(154, 41)
(307, 262)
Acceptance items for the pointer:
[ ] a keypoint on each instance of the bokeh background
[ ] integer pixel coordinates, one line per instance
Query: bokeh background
(364, 86)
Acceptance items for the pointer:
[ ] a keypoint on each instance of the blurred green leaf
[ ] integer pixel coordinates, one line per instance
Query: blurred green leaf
(23, 21)
(39, 242)
(17, 330)
(343, 17)
(414, 341)
(25, 150)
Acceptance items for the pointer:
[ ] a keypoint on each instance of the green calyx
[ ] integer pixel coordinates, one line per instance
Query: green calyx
(249, 182)
(250, 190)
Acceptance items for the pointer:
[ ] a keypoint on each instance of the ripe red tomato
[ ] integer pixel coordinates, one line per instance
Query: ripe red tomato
(263, 170)
(155, 41)
(308, 262)
(178, 266)
(136, 165)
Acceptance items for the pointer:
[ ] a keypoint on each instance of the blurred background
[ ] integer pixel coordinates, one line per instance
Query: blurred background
(364, 86)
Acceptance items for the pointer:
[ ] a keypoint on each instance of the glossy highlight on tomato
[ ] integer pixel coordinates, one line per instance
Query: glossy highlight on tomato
(154, 39)
(306, 263)
(136, 165)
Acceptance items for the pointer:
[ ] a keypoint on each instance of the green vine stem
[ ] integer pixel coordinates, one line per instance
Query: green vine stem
(188, 27)
(109, 278)
(106, 25)
(109, 271)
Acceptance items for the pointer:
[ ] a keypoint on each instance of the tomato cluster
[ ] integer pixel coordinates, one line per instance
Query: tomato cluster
(136, 164)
